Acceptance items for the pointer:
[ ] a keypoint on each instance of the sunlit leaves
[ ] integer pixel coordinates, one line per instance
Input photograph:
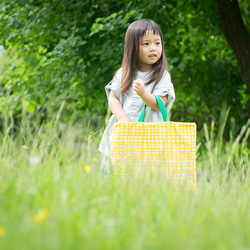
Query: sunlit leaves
(67, 51)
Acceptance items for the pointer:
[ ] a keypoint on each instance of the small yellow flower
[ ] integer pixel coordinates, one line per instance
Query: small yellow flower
(87, 168)
(24, 146)
(74, 201)
(94, 159)
(104, 163)
(41, 216)
(2, 231)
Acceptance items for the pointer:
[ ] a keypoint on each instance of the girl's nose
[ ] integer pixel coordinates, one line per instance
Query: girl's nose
(152, 47)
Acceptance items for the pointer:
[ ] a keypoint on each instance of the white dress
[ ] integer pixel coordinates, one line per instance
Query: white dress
(133, 105)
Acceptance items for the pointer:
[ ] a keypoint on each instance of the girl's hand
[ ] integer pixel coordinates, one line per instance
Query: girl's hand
(116, 108)
(139, 87)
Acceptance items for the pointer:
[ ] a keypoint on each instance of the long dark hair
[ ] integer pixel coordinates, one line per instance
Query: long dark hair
(130, 61)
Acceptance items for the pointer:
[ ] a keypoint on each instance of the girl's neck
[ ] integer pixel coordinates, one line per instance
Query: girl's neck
(144, 70)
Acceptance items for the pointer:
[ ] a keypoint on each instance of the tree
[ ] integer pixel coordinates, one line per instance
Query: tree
(238, 37)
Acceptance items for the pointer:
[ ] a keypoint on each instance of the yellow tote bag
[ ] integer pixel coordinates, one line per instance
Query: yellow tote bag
(161, 149)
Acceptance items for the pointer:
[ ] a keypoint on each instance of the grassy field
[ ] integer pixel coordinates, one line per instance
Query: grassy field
(52, 196)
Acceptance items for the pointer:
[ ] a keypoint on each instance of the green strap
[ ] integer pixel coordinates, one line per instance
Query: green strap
(162, 108)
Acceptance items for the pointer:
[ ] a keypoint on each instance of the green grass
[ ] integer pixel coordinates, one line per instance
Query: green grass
(56, 204)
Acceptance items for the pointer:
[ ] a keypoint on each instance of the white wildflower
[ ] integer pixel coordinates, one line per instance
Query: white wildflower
(34, 160)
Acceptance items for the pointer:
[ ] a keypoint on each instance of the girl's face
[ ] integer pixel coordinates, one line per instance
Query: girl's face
(150, 51)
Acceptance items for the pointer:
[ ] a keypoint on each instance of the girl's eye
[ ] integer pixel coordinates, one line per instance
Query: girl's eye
(145, 44)
(158, 43)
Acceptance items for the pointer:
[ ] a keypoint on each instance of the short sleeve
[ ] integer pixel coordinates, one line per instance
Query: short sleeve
(115, 84)
(165, 87)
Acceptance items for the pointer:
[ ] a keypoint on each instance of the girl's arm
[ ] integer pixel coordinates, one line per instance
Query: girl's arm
(147, 97)
(116, 108)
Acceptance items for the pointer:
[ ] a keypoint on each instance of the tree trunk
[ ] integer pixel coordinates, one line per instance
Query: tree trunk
(237, 36)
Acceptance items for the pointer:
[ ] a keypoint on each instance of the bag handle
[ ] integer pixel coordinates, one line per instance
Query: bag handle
(162, 108)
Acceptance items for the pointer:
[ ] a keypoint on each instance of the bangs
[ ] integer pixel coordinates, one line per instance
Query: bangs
(142, 28)
(148, 27)
(150, 31)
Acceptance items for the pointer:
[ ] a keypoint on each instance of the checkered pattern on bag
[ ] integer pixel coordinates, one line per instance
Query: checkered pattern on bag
(165, 149)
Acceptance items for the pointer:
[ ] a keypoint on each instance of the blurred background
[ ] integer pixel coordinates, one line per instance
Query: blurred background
(56, 56)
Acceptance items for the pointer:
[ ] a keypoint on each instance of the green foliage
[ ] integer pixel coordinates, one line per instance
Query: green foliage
(225, 157)
(63, 53)
(45, 67)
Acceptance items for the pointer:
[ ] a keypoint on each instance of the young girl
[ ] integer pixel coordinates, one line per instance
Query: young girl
(143, 74)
